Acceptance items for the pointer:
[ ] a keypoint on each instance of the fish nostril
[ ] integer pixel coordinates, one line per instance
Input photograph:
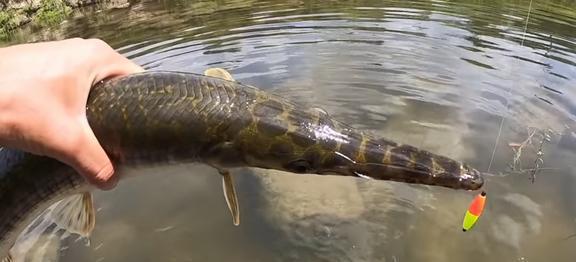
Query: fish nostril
(299, 166)
(300, 169)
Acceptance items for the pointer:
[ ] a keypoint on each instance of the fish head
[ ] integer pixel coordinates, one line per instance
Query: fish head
(310, 142)
(384, 160)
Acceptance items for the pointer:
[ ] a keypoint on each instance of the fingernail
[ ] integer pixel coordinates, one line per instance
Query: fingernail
(105, 179)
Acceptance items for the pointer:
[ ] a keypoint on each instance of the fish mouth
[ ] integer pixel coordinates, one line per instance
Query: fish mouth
(467, 179)
(472, 179)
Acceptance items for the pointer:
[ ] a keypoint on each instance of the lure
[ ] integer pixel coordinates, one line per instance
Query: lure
(474, 211)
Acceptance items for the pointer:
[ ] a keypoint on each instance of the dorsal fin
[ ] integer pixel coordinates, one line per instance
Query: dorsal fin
(219, 73)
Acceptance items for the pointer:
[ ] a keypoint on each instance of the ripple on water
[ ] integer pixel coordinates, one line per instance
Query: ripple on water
(435, 74)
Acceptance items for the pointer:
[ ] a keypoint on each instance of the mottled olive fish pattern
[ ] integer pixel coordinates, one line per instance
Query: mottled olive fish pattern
(160, 117)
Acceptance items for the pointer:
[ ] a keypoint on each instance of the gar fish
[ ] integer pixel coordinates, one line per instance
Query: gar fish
(161, 117)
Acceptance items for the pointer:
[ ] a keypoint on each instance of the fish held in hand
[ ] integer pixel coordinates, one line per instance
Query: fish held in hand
(160, 117)
(157, 117)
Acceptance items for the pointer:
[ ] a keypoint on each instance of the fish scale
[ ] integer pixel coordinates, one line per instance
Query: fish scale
(160, 117)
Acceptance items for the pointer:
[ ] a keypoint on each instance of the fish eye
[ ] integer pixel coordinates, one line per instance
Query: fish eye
(299, 166)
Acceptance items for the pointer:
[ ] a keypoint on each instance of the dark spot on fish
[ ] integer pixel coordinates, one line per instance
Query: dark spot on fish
(298, 117)
(447, 181)
(235, 126)
(408, 179)
(298, 166)
(271, 127)
(268, 108)
(281, 149)
(401, 155)
(374, 170)
(302, 136)
(352, 147)
(422, 161)
(225, 152)
(334, 160)
(313, 157)
(374, 151)
(450, 167)
(384, 142)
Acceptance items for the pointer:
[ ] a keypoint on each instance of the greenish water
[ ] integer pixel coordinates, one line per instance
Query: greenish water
(440, 75)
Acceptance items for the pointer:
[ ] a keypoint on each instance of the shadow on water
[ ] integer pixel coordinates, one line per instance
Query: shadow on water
(435, 74)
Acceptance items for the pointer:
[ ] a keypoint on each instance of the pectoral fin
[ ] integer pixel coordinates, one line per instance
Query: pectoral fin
(219, 73)
(231, 197)
(76, 214)
(8, 259)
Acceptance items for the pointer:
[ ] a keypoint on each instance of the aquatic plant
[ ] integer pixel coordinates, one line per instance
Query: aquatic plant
(537, 148)
(52, 12)
(46, 13)
(7, 23)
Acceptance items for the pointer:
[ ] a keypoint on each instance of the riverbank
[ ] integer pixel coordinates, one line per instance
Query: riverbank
(17, 13)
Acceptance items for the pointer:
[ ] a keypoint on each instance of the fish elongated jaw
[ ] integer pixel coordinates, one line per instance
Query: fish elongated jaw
(387, 160)
(228, 124)
(307, 140)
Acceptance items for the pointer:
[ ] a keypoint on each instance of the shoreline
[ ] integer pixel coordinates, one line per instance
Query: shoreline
(15, 14)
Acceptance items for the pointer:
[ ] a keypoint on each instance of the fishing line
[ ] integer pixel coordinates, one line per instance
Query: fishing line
(509, 95)
(476, 207)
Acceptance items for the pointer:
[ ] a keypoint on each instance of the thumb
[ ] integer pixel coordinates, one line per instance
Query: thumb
(91, 160)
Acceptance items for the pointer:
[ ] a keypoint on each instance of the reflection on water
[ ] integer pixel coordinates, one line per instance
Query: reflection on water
(435, 74)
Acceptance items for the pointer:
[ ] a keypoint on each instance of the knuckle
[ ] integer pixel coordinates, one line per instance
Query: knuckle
(75, 39)
(98, 44)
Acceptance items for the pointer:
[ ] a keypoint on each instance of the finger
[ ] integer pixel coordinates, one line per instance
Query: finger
(108, 184)
(116, 65)
(92, 162)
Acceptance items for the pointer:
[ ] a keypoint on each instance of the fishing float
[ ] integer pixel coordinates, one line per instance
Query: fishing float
(474, 211)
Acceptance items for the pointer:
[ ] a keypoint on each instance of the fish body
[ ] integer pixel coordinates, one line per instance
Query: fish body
(159, 117)
(163, 117)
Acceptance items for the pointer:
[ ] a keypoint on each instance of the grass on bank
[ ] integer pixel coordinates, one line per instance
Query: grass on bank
(50, 13)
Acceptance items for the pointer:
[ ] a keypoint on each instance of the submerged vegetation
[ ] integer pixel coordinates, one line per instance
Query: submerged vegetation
(52, 12)
(537, 151)
(15, 13)
(6, 22)
(9, 20)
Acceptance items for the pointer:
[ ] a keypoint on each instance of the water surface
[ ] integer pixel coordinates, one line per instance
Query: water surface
(441, 75)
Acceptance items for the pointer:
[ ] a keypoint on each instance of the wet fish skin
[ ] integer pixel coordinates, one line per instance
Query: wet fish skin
(28, 185)
(170, 116)
(161, 117)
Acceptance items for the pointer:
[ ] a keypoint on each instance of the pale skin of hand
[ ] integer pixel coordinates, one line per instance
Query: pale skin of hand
(43, 92)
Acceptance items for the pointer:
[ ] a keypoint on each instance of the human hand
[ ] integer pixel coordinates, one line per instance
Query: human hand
(44, 88)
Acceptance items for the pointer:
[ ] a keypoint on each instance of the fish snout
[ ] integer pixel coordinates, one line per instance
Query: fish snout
(471, 179)
(463, 179)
